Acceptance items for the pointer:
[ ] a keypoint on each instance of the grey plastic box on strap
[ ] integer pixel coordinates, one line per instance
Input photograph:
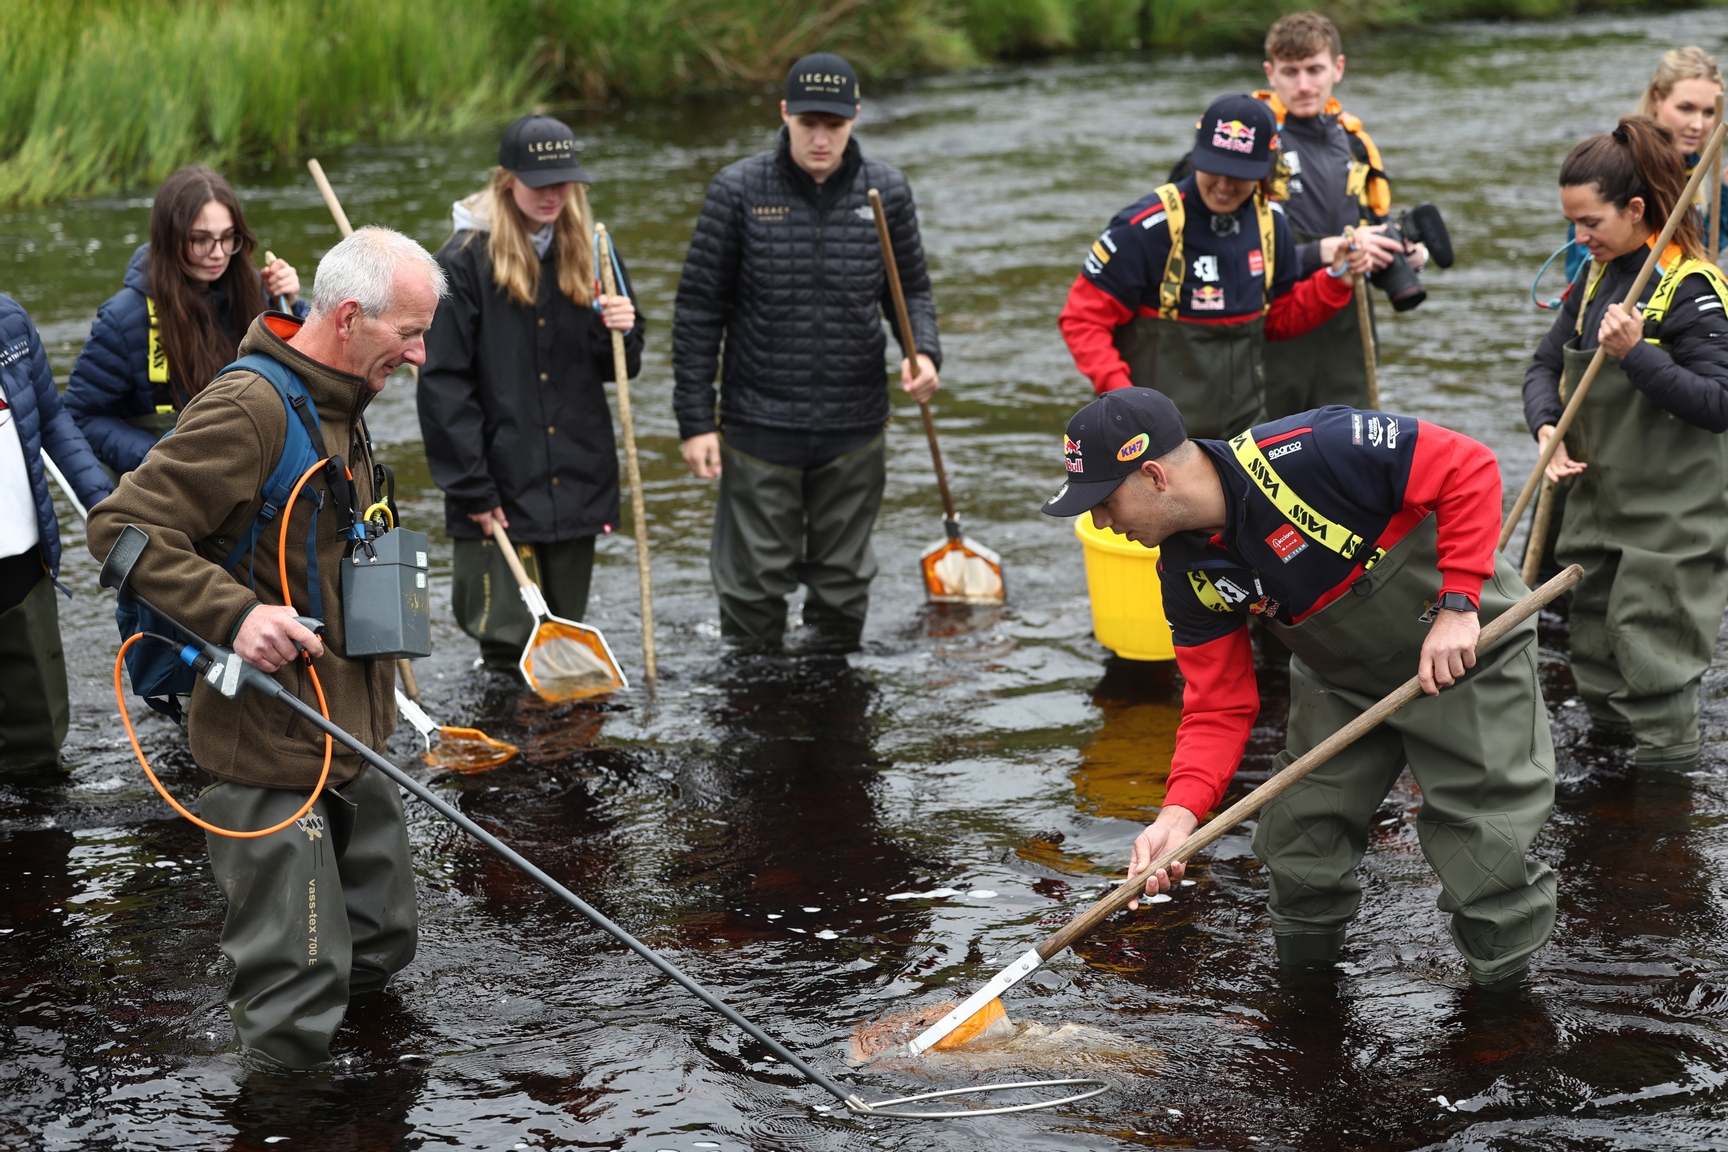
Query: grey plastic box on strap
(386, 604)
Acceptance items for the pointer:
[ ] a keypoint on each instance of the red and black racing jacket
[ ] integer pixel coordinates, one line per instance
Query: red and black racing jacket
(1376, 474)
(1223, 281)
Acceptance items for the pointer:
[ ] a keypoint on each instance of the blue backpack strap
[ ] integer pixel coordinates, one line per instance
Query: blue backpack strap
(301, 449)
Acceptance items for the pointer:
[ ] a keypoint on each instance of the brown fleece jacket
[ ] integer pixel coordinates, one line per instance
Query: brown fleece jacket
(194, 494)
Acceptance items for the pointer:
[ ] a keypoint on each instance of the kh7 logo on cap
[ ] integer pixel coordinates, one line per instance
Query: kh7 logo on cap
(1287, 543)
(1233, 136)
(1133, 448)
(1071, 455)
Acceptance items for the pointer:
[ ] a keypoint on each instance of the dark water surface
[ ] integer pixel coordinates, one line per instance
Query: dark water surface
(751, 816)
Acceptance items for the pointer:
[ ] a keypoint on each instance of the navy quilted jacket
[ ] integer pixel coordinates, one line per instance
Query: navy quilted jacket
(790, 278)
(43, 423)
(111, 380)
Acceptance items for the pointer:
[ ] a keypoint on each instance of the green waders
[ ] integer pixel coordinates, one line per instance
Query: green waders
(1318, 368)
(318, 913)
(1480, 751)
(1648, 521)
(489, 606)
(34, 708)
(1211, 372)
(776, 528)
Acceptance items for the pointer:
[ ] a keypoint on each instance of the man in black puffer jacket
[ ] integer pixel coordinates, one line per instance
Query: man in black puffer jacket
(786, 271)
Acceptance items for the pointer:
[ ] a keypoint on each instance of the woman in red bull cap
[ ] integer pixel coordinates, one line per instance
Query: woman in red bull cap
(1184, 286)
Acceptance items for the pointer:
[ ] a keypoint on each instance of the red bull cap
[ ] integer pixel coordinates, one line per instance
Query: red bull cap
(1235, 138)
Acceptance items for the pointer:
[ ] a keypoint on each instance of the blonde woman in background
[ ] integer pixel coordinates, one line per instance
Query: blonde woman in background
(1681, 97)
(512, 398)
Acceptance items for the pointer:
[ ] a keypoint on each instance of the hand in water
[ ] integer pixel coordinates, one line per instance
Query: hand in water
(1174, 825)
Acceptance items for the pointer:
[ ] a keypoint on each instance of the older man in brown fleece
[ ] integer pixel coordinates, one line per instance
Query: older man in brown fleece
(323, 910)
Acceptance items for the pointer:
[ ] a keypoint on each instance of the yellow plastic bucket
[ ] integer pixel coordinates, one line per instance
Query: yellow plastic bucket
(1127, 600)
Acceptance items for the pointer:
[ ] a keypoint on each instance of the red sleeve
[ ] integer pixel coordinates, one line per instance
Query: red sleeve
(1308, 304)
(1459, 479)
(1089, 321)
(1219, 704)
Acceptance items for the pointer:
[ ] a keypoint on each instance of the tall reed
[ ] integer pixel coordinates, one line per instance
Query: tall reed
(101, 94)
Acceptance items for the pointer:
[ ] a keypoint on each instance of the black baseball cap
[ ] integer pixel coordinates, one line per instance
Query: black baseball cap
(1108, 440)
(541, 150)
(1235, 138)
(822, 82)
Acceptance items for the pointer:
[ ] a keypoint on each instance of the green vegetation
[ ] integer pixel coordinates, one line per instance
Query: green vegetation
(102, 94)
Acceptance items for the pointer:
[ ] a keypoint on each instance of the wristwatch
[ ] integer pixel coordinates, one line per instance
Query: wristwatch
(1457, 602)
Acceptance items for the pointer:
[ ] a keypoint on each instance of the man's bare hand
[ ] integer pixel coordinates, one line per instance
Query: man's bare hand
(1449, 651)
(702, 455)
(486, 519)
(271, 638)
(1174, 825)
(923, 385)
(1561, 464)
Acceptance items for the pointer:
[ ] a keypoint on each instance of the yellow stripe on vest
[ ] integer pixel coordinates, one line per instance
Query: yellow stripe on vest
(158, 356)
(1311, 524)
(1207, 593)
(1176, 219)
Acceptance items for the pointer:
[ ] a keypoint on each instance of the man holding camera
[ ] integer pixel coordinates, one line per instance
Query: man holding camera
(1329, 177)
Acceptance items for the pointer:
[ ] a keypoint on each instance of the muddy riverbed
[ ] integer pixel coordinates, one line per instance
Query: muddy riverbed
(752, 815)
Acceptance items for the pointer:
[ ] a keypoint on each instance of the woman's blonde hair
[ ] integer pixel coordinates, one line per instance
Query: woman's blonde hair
(510, 244)
(1691, 63)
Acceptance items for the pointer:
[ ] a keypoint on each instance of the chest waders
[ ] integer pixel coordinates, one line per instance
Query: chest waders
(1648, 522)
(1211, 372)
(1320, 367)
(1480, 751)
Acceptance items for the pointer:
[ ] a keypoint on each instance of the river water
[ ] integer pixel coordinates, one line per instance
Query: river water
(752, 814)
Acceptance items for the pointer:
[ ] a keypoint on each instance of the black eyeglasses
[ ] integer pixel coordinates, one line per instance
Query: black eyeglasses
(202, 244)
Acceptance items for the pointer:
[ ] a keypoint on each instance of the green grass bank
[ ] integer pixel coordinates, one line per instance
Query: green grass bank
(103, 94)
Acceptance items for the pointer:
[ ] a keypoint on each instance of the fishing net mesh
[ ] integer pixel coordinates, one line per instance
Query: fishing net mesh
(468, 750)
(962, 572)
(1001, 1042)
(564, 663)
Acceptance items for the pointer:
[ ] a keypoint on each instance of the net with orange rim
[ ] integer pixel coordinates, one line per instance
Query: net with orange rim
(564, 663)
(468, 750)
(962, 572)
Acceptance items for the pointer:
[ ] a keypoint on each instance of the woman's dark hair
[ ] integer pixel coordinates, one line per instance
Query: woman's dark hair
(1639, 159)
(198, 345)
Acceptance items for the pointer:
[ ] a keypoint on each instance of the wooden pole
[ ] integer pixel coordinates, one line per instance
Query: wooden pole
(1683, 206)
(1365, 321)
(1716, 190)
(638, 506)
(910, 343)
(1539, 532)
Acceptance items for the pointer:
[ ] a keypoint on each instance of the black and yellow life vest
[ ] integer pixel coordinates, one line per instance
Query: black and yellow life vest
(1367, 182)
(1175, 266)
(1674, 267)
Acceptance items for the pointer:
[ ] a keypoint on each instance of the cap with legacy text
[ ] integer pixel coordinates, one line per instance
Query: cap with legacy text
(1108, 440)
(541, 150)
(822, 82)
(1235, 138)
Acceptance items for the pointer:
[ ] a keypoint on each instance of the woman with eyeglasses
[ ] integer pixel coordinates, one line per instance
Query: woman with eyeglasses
(188, 295)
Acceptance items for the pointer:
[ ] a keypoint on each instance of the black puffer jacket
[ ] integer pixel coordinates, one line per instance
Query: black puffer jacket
(790, 276)
(513, 405)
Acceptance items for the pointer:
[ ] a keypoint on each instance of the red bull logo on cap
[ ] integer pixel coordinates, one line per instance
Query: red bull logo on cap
(1071, 455)
(1233, 136)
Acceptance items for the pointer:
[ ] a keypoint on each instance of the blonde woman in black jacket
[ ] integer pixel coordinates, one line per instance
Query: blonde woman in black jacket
(512, 399)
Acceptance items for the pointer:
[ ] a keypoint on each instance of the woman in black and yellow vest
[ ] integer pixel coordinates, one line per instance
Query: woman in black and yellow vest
(176, 322)
(1184, 287)
(1647, 516)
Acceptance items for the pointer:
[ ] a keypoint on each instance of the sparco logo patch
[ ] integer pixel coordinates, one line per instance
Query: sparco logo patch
(1287, 543)
(1284, 450)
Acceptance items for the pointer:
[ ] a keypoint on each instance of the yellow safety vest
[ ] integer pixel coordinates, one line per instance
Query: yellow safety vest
(1366, 182)
(1674, 267)
(1170, 287)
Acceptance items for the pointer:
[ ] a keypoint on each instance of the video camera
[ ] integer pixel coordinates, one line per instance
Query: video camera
(1422, 224)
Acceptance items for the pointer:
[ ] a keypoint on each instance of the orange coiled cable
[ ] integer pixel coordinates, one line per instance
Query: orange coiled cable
(323, 705)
